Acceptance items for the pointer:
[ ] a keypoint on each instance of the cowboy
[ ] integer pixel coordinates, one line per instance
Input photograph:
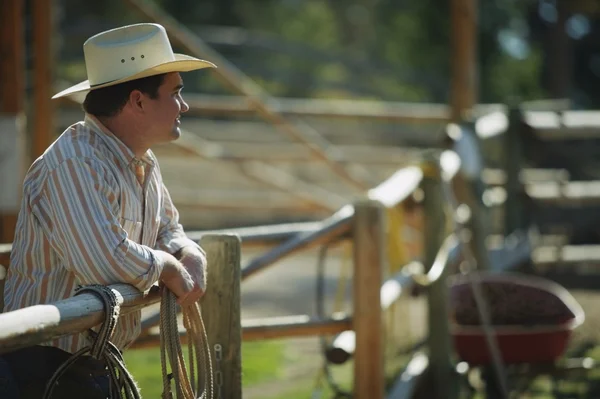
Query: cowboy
(95, 209)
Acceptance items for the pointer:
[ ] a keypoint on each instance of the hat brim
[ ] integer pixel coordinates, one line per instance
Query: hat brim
(182, 63)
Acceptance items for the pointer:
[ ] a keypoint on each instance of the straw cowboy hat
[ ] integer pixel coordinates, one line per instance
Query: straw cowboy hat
(128, 53)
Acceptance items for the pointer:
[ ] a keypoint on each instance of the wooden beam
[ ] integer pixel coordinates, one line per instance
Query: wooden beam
(367, 316)
(12, 102)
(572, 194)
(463, 14)
(43, 34)
(272, 328)
(12, 48)
(40, 323)
(439, 341)
(330, 229)
(257, 98)
(221, 307)
(230, 204)
(205, 105)
(567, 125)
(293, 326)
(567, 255)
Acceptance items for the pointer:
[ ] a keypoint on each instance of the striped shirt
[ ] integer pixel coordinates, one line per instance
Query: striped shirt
(86, 219)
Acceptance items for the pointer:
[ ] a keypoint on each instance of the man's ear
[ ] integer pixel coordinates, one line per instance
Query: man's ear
(136, 100)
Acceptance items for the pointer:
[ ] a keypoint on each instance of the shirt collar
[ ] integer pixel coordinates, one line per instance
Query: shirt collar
(116, 146)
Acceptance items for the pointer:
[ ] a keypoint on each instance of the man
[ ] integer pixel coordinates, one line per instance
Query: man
(95, 209)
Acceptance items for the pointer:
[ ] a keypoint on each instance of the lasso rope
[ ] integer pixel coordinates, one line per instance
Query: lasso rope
(122, 384)
(192, 386)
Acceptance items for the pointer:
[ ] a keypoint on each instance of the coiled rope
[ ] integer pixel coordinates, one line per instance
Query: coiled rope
(122, 384)
(199, 384)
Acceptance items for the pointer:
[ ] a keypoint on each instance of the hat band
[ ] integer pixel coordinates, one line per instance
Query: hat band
(102, 84)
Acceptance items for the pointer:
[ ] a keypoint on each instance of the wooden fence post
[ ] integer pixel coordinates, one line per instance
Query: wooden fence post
(368, 251)
(440, 345)
(221, 309)
(513, 163)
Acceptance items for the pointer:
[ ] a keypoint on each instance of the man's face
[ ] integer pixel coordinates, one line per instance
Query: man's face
(164, 112)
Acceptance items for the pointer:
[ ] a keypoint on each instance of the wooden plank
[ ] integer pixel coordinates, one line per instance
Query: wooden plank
(571, 125)
(323, 108)
(566, 255)
(40, 323)
(398, 187)
(221, 307)
(272, 328)
(293, 326)
(12, 100)
(572, 194)
(12, 48)
(368, 253)
(439, 342)
(43, 33)
(230, 204)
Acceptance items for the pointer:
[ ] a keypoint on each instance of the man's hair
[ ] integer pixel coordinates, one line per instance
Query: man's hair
(109, 101)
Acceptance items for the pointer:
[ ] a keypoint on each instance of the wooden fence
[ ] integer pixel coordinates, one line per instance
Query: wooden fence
(364, 224)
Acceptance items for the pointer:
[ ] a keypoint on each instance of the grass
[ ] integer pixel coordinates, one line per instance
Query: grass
(261, 362)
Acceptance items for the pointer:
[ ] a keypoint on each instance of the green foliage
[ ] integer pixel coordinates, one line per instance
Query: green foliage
(372, 49)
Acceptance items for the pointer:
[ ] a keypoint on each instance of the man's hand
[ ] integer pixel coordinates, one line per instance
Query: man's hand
(194, 262)
(177, 279)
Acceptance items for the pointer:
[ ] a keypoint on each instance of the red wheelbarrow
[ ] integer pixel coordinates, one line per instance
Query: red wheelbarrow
(531, 318)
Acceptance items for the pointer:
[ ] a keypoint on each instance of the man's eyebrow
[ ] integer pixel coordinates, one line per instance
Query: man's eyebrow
(178, 87)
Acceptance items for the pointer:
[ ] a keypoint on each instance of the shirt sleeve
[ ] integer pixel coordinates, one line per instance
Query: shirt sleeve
(171, 237)
(83, 196)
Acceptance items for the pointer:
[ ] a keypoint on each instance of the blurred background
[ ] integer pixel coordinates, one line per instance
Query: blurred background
(400, 64)
(314, 103)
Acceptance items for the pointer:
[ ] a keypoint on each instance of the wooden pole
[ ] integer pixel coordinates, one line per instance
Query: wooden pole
(272, 328)
(12, 89)
(12, 97)
(42, 27)
(221, 308)
(463, 57)
(514, 216)
(369, 242)
(440, 347)
(40, 323)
